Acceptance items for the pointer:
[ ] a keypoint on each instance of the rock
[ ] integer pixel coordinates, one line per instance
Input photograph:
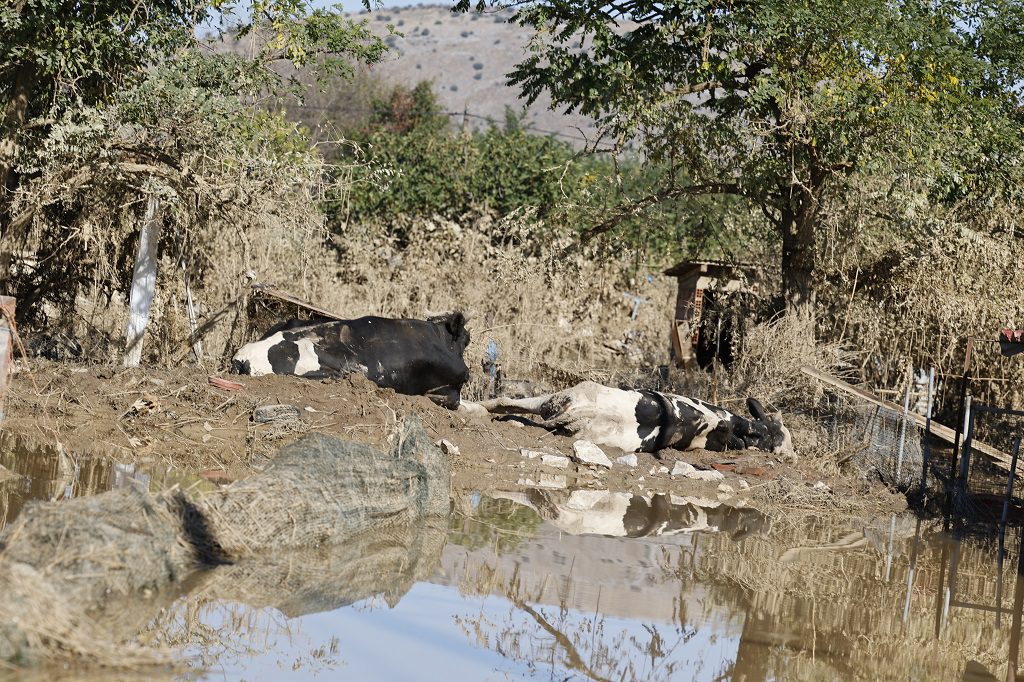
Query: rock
(554, 481)
(726, 489)
(586, 452)
(820, 485)
(662, 470)
(627, 460)
(743, 484)
(682, 469)
(709, 475)
(275, 413)
(448, 447)
(531, 454)
(557, 461)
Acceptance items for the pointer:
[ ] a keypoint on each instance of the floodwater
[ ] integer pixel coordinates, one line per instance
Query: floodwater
(575, 585)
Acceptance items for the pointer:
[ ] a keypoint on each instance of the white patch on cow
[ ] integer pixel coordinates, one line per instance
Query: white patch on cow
(308, 361)
(608, 415)
(257, 354)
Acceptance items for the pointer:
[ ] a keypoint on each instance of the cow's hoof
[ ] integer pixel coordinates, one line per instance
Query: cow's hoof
(472, 409)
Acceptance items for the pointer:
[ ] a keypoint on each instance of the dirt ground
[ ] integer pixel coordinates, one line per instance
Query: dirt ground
(177, 417)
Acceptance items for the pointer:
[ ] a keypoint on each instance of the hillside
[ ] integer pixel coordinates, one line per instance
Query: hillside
(467, 57)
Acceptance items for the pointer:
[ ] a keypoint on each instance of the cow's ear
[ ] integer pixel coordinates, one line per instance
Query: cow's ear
(756, 409)
(456, 326)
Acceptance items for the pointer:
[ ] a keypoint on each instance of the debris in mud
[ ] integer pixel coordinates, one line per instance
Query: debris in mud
(627, 460)
(706, 475)
(585, 452)
(147, 404)
(549, 481)
(265, 414)
(449, 448)
(225, 384)
(681, 468)
(557, 461)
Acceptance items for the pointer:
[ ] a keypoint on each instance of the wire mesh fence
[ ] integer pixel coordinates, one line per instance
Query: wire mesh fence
(892, 443)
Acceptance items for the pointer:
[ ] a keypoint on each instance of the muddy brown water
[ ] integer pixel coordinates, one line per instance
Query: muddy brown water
(585, 584)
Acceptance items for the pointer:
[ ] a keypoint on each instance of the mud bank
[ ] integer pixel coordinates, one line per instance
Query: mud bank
(63, 565)
(177, 418)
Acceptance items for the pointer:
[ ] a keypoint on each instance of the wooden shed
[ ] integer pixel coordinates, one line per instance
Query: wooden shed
(700, 331)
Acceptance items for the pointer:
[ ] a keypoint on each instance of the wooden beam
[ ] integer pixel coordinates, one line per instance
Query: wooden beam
(271, 290)
(998, 457)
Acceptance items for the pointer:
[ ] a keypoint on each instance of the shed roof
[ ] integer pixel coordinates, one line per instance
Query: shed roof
(690, 267)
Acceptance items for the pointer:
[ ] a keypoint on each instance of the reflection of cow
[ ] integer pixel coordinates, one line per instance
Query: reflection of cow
(648, 421)
(414, 357)
(601, 512)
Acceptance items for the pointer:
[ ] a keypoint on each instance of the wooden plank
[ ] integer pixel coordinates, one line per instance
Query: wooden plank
(271, 290)
(998, 457)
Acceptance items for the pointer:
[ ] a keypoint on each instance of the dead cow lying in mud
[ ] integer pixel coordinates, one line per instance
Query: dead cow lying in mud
(414, 357)
(649, 421)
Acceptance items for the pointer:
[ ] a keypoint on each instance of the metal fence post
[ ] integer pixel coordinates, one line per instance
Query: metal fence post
(965, 451)
(927, 449)
(903, 433)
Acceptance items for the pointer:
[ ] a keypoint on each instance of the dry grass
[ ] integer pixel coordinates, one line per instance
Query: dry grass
(557, 314)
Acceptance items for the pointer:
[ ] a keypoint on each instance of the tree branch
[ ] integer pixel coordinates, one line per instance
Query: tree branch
(638, 207)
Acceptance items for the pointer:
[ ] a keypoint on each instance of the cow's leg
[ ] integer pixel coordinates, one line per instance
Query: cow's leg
(516, 405)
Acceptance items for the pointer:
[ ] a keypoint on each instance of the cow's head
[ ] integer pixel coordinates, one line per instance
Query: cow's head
(455, 325)
(773, 435)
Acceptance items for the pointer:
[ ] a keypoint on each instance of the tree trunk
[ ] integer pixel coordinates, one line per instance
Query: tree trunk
(143, 283)
(15, 112)
(798, 231)
(798, 246)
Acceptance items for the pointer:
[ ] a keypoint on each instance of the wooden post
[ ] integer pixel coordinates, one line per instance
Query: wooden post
(143, 283)
(193, 323)
(964, 382)
(7, 305)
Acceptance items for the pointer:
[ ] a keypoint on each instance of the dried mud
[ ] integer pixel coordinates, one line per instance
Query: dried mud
(176, 417)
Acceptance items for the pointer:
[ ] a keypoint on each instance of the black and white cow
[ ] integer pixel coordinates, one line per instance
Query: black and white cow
(648, 421)
(414, 357)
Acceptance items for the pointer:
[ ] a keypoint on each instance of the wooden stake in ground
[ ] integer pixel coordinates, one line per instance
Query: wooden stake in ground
(143, 283)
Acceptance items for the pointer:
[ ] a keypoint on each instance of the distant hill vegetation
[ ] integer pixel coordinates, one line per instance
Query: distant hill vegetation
(466, 57)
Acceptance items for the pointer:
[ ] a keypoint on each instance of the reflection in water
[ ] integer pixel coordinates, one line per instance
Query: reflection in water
(588, 584)
(602, 512)
(811, 598)
(52, 473)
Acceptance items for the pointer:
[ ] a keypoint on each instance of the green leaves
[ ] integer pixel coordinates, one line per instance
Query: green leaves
(440, 171)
